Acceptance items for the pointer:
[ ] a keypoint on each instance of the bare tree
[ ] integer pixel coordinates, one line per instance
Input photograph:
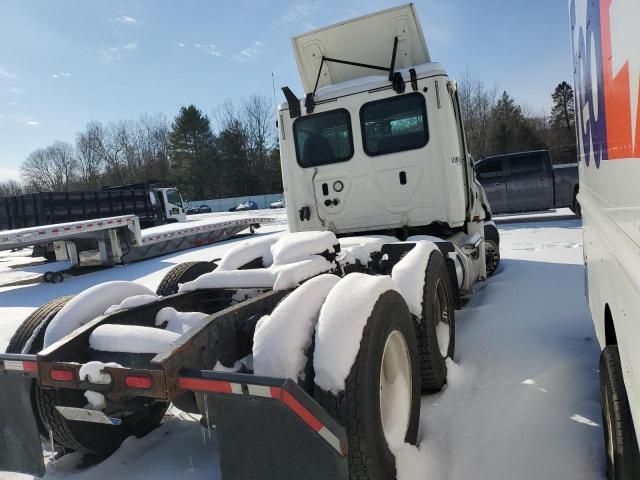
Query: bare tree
(10, 188)
(52, 168)
(477, 104)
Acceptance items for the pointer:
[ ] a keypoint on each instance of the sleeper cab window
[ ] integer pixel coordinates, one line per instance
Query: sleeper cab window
(394, 124)
(323, 138)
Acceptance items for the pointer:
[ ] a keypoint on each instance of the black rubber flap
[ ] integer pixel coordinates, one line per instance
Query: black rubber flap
(20, 446)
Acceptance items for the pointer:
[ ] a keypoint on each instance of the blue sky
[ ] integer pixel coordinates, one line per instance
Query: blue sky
(66, 62)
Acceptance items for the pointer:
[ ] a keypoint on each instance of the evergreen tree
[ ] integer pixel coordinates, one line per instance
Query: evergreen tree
(192, 153)
(563, 111)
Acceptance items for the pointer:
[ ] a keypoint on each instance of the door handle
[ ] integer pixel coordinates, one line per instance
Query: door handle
(541, 179)
(497, 184)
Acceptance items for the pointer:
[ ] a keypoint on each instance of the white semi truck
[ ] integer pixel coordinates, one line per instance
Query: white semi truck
(606, 59)
(308, 352)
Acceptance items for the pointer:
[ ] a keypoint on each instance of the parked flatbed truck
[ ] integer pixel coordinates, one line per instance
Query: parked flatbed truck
(606, 59)
(308, 352)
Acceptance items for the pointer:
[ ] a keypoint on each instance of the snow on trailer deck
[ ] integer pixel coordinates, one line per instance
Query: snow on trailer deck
(522, 400)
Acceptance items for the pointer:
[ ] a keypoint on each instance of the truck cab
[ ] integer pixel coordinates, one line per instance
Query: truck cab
(370, 151)
(172, 204)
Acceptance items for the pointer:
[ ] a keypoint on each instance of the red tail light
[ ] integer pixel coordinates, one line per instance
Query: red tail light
(138, 381)
(61, 375)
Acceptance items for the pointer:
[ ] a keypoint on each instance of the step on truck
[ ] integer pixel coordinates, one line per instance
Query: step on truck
(308, 351)
(606, 59)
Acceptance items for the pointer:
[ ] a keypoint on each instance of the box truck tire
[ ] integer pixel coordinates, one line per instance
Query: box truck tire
(182, 273)
(435, 330)
(381, 401)
(623, 462)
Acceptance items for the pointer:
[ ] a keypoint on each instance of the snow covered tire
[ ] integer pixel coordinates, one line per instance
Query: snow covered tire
(42, 401)
(437, 307)
(73, 436)
(623, 458)
(182, 273)
(358, 407)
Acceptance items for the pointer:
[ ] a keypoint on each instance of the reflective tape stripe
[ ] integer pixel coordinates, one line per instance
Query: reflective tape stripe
(331, 439)
(259, 391)
(204, 385)
(14, 365)
(236, 388)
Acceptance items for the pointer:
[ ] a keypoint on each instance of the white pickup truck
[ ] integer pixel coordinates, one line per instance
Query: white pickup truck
(606, 59)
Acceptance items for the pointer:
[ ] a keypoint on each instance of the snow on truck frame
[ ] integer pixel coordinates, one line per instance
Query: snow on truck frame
(309, 352)
(606, 60)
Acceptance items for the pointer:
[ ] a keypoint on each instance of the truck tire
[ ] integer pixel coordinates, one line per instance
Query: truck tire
(182, 273)
(492, 248)
(435, 330)
(72, 436)
(623, 458)
(388, 346)
(49, 421)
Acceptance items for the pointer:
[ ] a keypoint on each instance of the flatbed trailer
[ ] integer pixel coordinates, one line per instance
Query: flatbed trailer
(120, 240)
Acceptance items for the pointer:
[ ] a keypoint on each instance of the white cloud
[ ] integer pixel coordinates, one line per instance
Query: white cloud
(210, 49)
(61, 75)
(117, 53)
(5, 74)
(126, 20)
(33, 123)
(249, 52)
(299, 11)
(180, 44)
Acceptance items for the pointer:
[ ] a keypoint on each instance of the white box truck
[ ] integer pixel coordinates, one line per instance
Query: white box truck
(606, 58)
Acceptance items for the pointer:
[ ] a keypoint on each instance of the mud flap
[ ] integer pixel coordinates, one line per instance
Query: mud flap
(20, 445)
(270, 428)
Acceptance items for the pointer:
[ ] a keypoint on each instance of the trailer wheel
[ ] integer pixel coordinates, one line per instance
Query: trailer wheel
(72, 436)
(619, 434)
(436, 328)
(380, 406)
(182, 273)
(32, 329)
(492, 249)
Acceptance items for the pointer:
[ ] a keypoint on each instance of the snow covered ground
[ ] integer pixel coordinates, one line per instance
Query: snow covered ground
(522, 400)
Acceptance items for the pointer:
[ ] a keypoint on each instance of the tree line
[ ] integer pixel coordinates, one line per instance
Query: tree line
(235, 154)
(495, 124)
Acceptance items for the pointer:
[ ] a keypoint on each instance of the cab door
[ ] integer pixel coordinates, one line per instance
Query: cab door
(492, 174)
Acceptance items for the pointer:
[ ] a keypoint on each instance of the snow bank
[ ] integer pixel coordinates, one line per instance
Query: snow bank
(131, 339)
(93, 372)
(294, 247)
(359, 249)
(342, 320)
(178, 322)
(244, 252)
(132, 302)
(409, 274)
(278, 277)
(89, 304)
(282, 338)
